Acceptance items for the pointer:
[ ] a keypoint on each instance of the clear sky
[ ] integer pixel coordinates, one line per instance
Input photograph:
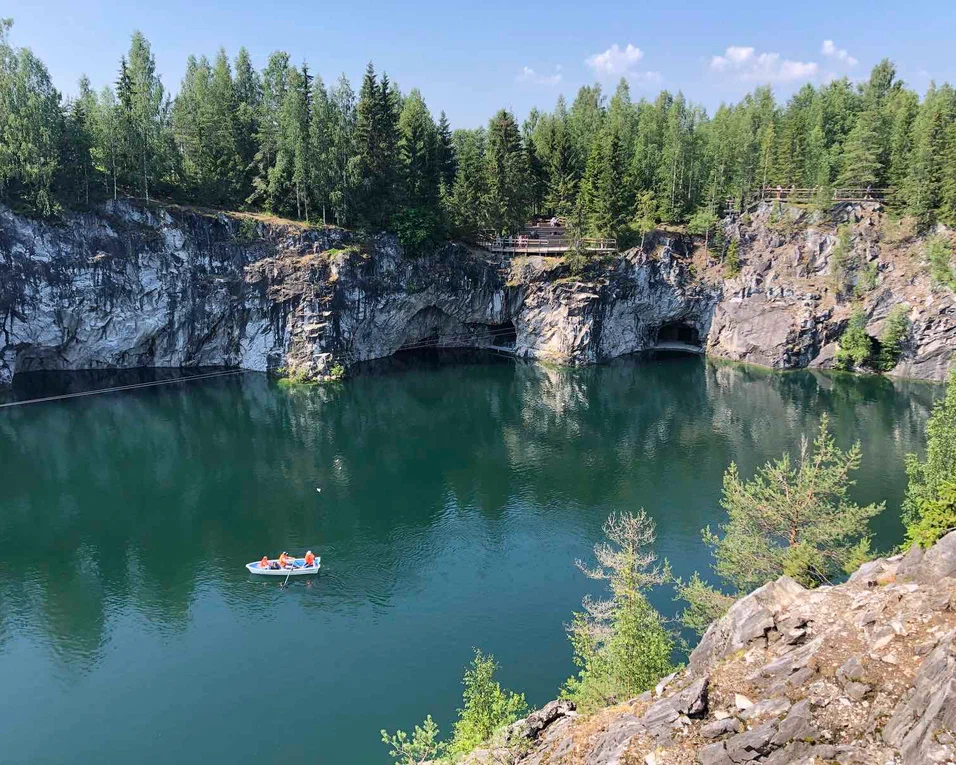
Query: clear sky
(473, 58)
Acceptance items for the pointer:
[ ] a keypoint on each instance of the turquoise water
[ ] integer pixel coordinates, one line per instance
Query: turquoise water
(454, 500)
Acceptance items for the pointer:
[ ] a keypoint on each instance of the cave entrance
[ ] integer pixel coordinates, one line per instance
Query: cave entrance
(503, 336)
(678, 333)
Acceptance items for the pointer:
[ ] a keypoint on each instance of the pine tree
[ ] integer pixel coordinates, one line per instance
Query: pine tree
(417, 221)
(267, 179)
(145, 112)
(76, 170)
(248, 102)
(861, 166)
(447, 162)
(342, 149)
(469, 191)
(505, 206)
(922, 188)
(322, 176)
(31, 128)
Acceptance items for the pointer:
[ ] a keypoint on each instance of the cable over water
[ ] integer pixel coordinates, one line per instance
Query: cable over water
(133, 386)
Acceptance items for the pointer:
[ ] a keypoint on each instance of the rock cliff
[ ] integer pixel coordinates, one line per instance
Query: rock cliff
(164, 286)
(862, 672)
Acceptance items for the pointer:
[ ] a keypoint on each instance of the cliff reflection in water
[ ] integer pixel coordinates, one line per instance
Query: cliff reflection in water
(454, 500)
(136, 501)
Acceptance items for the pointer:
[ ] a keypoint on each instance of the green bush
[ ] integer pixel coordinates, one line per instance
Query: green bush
(939, 253)
(929, 493)
(841, 260)
(867, 279)
(486, 708)
(895, 331)
(705, 604)
(732, 267)
(937, 517)
(621, 644)
(422, 746)
(856, 349)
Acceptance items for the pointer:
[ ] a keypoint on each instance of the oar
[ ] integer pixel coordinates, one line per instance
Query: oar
(291, 569)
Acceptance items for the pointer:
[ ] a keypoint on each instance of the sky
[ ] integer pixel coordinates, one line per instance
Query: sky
(471, 59)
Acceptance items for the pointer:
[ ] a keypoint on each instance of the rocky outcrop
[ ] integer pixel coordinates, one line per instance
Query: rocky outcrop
(786, 308)
(862, 672)
(171, 287)
(163, 286)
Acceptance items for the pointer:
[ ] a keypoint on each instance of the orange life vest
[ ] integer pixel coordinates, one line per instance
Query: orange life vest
(264, 563)
(309, 559)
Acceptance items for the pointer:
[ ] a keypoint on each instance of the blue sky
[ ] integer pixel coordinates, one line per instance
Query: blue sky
(471, 59)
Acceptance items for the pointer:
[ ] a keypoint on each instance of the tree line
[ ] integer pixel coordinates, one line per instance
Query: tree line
(281, 141)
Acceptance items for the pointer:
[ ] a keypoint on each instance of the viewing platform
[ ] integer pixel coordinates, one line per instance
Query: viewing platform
(793, 195)
(544, 238)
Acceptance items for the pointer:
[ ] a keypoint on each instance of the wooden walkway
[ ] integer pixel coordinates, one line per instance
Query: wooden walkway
(542, 238)
(519, 245)
(793, 195)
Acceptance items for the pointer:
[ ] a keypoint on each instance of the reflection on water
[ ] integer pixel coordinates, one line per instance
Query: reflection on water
(453, 500)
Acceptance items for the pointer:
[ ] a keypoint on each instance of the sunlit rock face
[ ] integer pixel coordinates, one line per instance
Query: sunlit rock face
(167, 287)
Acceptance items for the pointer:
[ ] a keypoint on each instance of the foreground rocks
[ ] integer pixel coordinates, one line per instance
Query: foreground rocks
(863, 672)
(165, 286)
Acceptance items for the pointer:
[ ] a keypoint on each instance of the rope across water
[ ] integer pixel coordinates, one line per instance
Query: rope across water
(133, 386)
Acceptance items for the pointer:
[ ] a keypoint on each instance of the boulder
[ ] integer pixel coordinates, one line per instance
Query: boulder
(749, 619)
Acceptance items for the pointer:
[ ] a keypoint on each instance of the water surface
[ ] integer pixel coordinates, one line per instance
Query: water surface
(455, 498)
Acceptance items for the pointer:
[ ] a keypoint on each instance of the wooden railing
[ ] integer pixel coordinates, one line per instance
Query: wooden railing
(796, 195)
(545, 245)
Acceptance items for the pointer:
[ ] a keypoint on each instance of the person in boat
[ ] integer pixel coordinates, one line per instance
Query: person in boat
(285, 560)
(309, 559)
(264, 563)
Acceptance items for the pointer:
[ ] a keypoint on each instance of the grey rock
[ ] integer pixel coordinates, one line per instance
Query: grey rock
(931, 706)
(748, 619)
(609, 747)
(713, 754)
(856, 691)
(537, 721)
(718, 728)
(752, 744)
(938, 562)
(766, 708)
(851, 669)
(796, 726)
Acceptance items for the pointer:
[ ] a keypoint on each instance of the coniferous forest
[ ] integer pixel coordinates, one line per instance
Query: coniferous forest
(283, 141)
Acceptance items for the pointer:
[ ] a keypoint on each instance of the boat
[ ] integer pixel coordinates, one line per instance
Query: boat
(298, 568)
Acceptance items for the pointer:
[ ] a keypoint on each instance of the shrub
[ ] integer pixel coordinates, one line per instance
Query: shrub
(840, 260)
(705, 603)
(939, 253)
(928, 491)
(792, 518)
(733, 258)
(576, 261)
(417, 229)
(423, 746)
(856, 348)
(895, 331)
(621, 644)
(486, 705)
(937, 517)
(867, 279)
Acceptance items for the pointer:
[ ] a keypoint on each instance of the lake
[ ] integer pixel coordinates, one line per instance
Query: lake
(455, 496)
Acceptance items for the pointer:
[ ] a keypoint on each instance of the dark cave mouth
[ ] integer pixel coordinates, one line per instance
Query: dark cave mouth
(678, 333)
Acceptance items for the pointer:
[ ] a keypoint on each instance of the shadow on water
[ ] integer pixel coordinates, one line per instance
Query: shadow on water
(454, 498)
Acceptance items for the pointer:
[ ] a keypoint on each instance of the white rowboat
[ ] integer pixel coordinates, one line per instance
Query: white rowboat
(298, 568)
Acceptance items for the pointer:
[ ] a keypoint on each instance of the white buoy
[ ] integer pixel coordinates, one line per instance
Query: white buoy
(317, 488)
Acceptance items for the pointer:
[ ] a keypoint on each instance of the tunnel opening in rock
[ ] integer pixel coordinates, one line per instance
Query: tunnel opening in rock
(678, 333)
(503, 336)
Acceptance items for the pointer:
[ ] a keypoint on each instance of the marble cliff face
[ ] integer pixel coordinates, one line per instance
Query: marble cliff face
(128, 286)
